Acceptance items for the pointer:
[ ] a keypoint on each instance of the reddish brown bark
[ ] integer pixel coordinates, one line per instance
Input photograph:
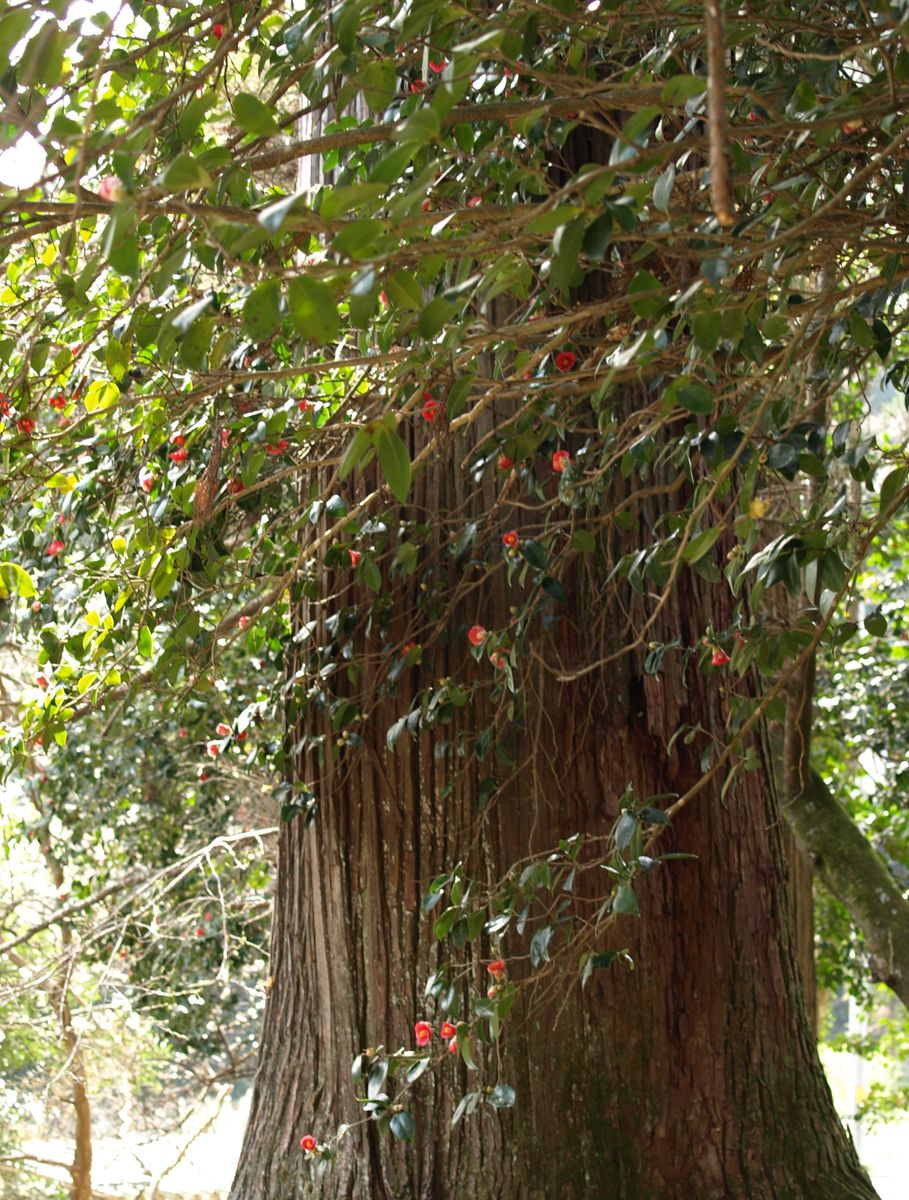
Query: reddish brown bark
(696, 1074)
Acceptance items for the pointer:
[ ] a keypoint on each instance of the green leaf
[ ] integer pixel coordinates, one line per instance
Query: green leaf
(688, 394)
(681, 88)
(252, 115)
(394, 461)
(403, 290)
(893, 484)
(86, 682)
(434, 317)
(262, 310)
(145, 643)
(707, 328)
(313, 309)
(14, 578)
(183, 174)
(662, 189)
(357, 448)
(876, 624)
(100, 395)
(501, 1096)
(645, 305)
(378, 83)
(533, 553)
(41, 63)
(274, 216)
(624, 900)
(700, 544)
(403, 1126)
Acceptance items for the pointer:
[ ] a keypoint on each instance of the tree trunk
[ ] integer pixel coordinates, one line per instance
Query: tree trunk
(705, 1044)
(696, 1073)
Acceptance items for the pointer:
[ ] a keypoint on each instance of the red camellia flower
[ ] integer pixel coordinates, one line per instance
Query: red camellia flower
(437, 67)
(383, 299)
(276, 448)
(178, 455)
(178, 440)
(447, 1030)
(565, 360)
(719, 658)
(418, 85)
(497, 969)
(476, 635)
(560, 460)
(25, 425)
(304, 406)
(504, 462)
(42, 682)
(422, 1031)
(4, 404)
(58, 401)
(308, 1143)
(431, 409)
(354, 557)
(213, 749)
(221, 729)
(235, 487)
(510, 539)
(497, 660)
(200, 932)
(241, 736)
(217, 32)
(54, 548)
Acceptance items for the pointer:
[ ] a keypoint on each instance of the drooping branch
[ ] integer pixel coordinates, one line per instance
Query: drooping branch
(847, 862)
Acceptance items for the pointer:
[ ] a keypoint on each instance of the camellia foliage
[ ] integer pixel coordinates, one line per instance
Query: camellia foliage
(294, 275)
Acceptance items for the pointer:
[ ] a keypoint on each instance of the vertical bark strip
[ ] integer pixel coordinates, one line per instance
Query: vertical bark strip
(721, 196)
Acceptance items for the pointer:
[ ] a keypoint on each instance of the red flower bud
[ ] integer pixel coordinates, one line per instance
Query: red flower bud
(244, 621)
(474, 201)
(354, 557)
(213, 749)
(200, 932)
(235, 487)
(217, 32)
(497, 969)
(54, 548)
(719, 658)
(42, 682)
(222, 730)
(431, 410)
(178, 456)
(277, 448)
(504, 462)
